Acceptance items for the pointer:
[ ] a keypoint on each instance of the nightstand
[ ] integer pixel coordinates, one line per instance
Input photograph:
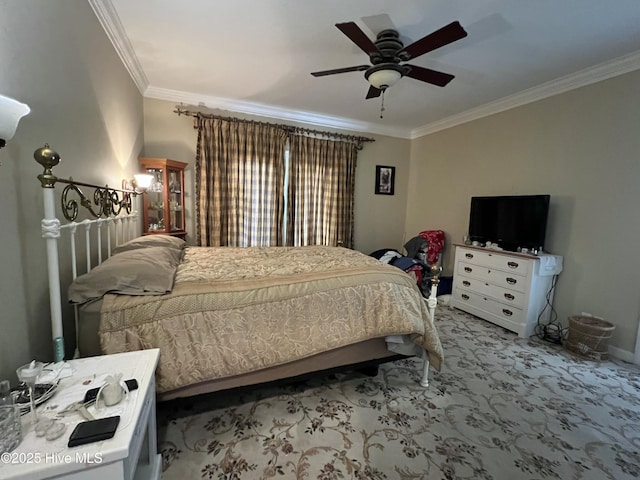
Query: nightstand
(130, 454)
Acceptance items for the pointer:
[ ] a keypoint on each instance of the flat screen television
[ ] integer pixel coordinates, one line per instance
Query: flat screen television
(513, 222)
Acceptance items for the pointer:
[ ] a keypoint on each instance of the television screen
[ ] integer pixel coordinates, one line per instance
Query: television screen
(513, 222)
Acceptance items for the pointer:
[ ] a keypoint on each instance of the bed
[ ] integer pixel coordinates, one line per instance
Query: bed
(226, 317)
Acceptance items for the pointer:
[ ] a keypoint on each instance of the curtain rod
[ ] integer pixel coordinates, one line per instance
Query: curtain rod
(288, 128)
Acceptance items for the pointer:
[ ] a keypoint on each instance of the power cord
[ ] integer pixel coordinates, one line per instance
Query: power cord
(553, 331)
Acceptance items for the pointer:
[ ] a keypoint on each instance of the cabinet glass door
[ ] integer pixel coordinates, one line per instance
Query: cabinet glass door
(155, 202)
(176, 218)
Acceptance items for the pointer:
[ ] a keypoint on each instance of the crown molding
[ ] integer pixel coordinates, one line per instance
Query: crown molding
(621, 65)
(252, 108)
(111, 24)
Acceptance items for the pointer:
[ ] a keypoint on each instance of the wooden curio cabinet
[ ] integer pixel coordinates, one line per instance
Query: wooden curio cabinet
(164, 200)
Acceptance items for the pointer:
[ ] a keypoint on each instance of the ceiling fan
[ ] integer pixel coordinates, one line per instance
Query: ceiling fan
(387, 53)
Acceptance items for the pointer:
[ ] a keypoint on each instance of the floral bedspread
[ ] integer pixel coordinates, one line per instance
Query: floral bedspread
(238, 310)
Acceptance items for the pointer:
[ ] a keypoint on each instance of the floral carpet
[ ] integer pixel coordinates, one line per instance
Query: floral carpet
(501, 408)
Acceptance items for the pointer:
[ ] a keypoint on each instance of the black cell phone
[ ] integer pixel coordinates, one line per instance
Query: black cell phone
(92, 393)
(94, 431)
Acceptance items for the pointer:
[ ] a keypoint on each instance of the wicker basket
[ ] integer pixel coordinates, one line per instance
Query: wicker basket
(589, 337)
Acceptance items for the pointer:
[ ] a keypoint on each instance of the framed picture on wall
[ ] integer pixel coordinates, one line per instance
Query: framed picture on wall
(385, 179)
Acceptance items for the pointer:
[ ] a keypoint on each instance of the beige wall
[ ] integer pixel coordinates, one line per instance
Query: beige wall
(583, 148)
(56, 58)
(379, 219)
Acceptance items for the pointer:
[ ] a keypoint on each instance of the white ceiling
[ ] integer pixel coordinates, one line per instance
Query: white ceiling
(255, 56)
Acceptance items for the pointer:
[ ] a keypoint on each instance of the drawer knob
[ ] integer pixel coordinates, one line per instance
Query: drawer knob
(466, 283)
(468, 269)
(507, 312)
(468, 255)
(465, 296)
(512, 264)
(511, 281)
(508, 296)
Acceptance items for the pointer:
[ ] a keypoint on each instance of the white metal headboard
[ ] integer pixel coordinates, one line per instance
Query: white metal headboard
(113, 223)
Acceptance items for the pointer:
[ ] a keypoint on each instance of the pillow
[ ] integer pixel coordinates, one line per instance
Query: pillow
(156, 240)
(144, 271)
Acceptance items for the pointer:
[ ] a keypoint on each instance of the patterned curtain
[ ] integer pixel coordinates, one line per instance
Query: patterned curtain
(240, 169)
(321, 192)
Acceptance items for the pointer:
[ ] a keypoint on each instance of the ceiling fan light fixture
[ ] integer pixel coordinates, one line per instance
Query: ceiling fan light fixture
(388, 52)
(384, 77)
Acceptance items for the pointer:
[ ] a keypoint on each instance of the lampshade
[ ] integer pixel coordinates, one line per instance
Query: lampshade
(11, 111)
(143, 181)
(384, 78)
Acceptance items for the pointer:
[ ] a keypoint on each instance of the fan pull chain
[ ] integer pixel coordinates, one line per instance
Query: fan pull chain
(382, 104)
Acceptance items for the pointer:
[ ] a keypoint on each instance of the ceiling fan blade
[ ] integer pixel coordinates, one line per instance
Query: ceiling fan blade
(446, 35)
(373, 92)
(427, 75)
(357, 36)
(359, 68)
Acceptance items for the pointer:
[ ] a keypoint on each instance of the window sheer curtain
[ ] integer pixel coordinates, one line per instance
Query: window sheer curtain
(321, 192)
(240, 176)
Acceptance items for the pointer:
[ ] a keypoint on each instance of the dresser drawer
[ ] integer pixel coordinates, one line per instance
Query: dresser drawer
(500, 278)
(507, 313)
(517, 265)
(510, 297)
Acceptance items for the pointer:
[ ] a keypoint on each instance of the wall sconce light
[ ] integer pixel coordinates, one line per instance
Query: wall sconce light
(140, 183)
(11, 111)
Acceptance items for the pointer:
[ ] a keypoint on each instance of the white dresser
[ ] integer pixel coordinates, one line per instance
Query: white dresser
(506, 288)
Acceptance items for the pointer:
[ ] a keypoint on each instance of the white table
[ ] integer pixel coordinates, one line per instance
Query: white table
(130, 454)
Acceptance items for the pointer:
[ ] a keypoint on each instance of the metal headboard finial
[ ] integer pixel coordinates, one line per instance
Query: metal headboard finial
(48, 158)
